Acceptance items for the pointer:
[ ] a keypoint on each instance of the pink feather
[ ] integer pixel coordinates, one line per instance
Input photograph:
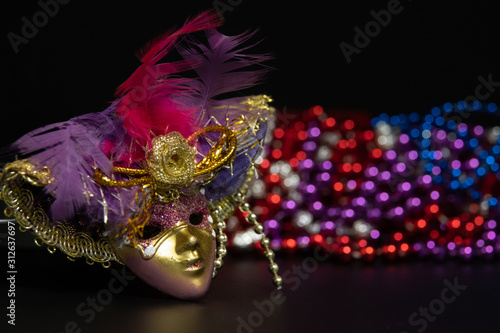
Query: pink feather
(155, 50)
(150, 98)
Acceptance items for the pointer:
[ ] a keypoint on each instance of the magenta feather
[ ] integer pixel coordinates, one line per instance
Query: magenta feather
(151, 97)
(155, 50)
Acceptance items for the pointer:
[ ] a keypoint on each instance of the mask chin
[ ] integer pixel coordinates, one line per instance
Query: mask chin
(178, 261)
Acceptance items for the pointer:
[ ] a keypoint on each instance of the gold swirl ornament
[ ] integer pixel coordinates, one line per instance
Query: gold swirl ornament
(171, 161)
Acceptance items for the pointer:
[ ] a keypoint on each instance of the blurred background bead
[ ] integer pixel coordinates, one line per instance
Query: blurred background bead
(391, 186)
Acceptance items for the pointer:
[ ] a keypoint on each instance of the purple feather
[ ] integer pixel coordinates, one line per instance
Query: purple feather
(71, 150)
(222, 67)
(219, 67)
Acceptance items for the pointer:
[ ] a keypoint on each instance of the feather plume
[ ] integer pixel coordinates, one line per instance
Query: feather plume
(71, 150)
(155, 101)
(155, 50)
(151, 104)
(219, 67)
(223, 67)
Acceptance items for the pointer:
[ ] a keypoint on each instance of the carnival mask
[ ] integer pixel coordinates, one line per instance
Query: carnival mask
(176, 252)
(149, 181)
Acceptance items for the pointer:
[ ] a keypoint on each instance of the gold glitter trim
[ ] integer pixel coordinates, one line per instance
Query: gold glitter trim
(36, 177)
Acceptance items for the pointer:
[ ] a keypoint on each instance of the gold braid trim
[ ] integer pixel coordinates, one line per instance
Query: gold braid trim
(102, 179)
(217, 157)
(58, 235)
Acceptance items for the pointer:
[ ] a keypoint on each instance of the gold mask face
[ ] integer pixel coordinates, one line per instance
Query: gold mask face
(176, 254)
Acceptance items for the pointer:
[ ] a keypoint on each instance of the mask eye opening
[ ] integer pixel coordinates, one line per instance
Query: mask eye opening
(196, 218)
(150, 231)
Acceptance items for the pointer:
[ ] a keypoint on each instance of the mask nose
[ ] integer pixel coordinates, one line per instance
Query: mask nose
(186, 240)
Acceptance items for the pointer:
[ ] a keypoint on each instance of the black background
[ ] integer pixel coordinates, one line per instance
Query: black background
(430, 53)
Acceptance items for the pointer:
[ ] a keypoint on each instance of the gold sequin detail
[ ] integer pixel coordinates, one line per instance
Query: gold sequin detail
(34, 176)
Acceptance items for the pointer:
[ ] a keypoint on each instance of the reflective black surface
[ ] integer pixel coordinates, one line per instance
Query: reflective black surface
(56, 295)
